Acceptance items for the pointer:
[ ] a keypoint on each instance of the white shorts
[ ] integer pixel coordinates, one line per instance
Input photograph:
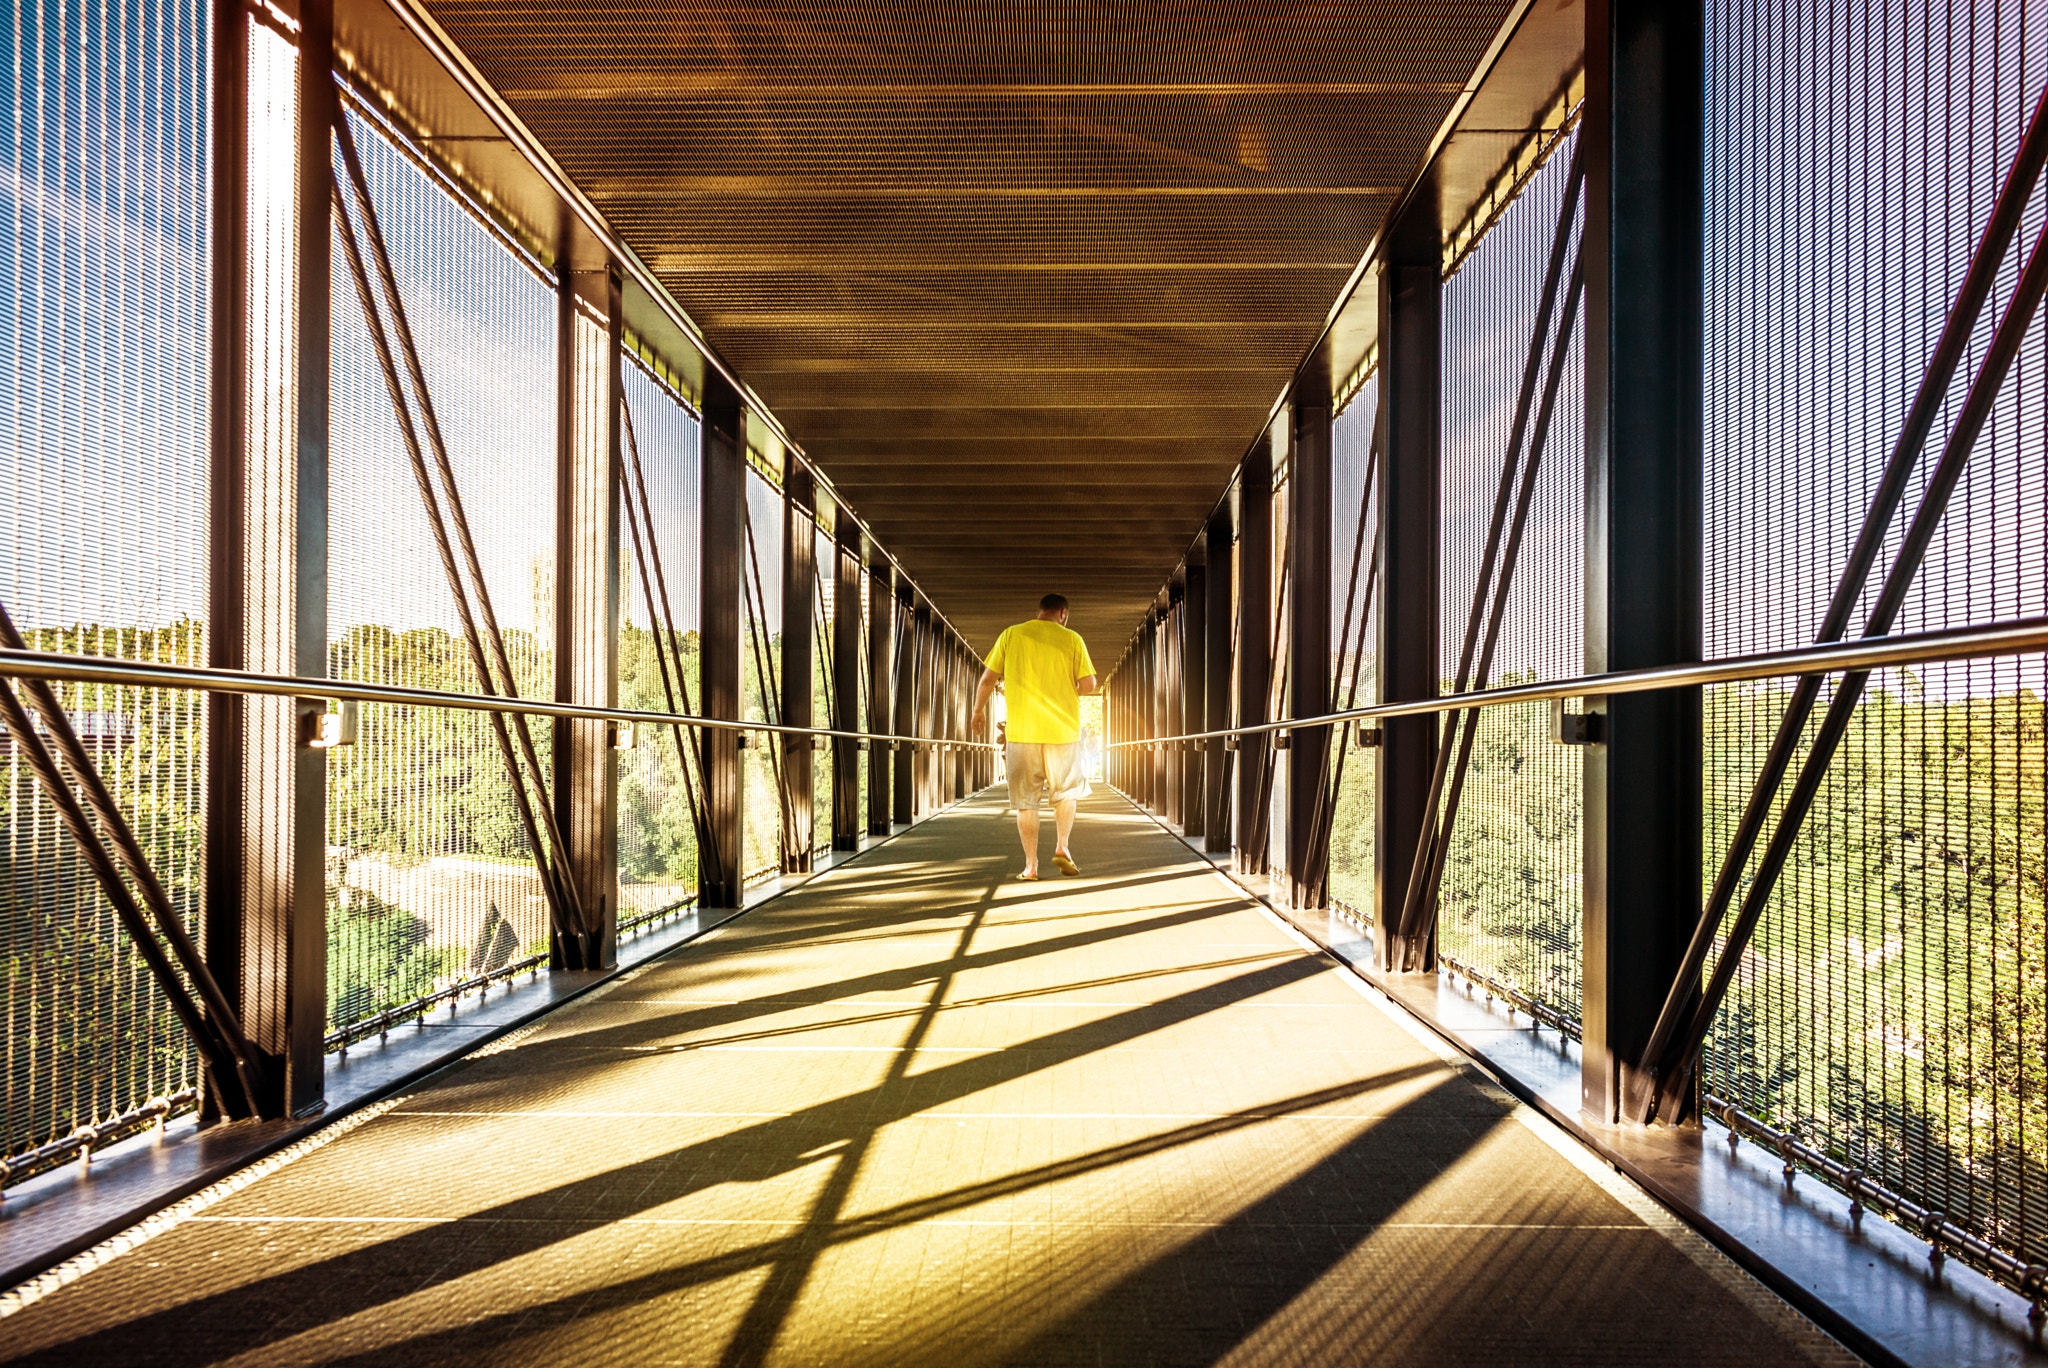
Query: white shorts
(1039, 771)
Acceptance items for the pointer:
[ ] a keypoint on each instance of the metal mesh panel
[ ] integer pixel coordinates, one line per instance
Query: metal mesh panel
(657, 836)
(1510, 902)
(865, 716)
(761, 652)
(430, 877)
(1354, 642)
(824, 591)
(104, 252)
(1891, 1005)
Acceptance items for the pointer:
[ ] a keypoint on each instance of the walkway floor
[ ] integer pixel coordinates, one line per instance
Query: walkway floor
(918, 1112)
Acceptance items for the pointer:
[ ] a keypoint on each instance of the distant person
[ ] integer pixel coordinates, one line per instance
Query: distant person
(1044, 669)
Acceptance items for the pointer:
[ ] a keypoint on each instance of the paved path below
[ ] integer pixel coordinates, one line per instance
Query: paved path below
(918, 1112)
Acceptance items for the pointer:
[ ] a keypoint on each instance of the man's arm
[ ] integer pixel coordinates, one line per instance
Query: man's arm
(1086, 684)
(989, 680)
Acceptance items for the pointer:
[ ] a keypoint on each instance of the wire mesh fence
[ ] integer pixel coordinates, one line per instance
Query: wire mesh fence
(1512, 548)
(105, 259)
(1890, 1008)
(430, 875)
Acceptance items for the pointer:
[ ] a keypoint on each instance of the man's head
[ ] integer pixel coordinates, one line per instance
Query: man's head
(1053, 608)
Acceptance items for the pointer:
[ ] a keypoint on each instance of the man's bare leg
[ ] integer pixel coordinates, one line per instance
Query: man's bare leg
(1063, 823)
(1027, 832)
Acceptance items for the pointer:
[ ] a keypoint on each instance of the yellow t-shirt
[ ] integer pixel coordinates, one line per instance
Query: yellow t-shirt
(1040, 662)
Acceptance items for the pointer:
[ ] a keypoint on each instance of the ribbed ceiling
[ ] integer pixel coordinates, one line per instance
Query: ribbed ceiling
(1023, 280)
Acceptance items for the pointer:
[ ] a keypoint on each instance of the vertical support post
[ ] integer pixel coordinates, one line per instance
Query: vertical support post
(723, 506)
(799, 570)
(1170, 634)
(846, 682)
(585, 769)
(1254, 647)
(1218, 666)
(1644, 262)
(1308, 627)
(881, 692)
(266, 898)
(903, 785)
(1156, 662)
(923, 753)
(1410, 412)
(1194, 699)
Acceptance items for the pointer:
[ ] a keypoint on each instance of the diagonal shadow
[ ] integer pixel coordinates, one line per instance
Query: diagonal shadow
(349, 1283)
(526, 1320)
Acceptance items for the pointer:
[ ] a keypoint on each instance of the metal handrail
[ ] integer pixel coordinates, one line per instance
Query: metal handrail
(1867, 653)
(80, 669)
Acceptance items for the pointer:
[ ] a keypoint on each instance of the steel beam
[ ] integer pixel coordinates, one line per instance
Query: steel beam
(1408, 668)
(799, 648)
(1194, 697)
(1218, 667)
(903, 779)
(1308, 627)
(1254, 648)
(722, 548)
(846, 682)
(1644, 255)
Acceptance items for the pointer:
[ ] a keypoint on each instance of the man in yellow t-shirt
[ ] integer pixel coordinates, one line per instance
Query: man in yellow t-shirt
(1044, 669)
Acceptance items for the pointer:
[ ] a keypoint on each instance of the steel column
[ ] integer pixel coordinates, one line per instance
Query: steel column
(923, 753)
(1217, 669)
(799, 570)
(881, 692)
(1171, 629)
(722, 548)
(846, 683)
(586, 594)
(1410, 415)
(1254, 646)
(265, 910)
(1308, 626)
(1644, 260)
(1157, 665)
(903, 778)
(1194, 699)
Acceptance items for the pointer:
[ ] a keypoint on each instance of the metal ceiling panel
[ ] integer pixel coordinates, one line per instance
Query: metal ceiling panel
(1022, 280)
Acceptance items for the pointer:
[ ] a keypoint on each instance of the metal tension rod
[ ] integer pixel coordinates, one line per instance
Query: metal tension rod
(654, 583)
(1489, 599)
(1661, 1084)
(236, 1073)
(1276, 694)
(551, 858)
(1439, 852)
(771, 689)
(1323, 820)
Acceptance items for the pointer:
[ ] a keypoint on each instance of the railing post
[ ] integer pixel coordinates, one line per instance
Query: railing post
(903, 780)
(1254, 648)
(584, 766)
(1194, 698)
(1308, 627)
(881, 691)
(1171, 767)
(924, 754)
(723, 507)
(799, 568)
(1410, 412)
(266, 897)
(1217, 666)
(846, 682)
(1644, 236)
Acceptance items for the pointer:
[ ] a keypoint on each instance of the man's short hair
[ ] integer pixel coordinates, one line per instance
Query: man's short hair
(1052, 603)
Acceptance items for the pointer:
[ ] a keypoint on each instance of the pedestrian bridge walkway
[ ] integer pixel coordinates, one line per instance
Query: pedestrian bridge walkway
(920, 1112)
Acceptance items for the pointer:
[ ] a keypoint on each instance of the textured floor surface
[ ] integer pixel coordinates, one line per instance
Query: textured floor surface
(918, 1112)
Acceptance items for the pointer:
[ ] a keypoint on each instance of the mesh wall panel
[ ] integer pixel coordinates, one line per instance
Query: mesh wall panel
(824, 589)
(866, 717)
(1354, 643)
(657, 837)
(1510, 902)
(761, 652)
(430, 875)
(1891, 1006)
(104, 255)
